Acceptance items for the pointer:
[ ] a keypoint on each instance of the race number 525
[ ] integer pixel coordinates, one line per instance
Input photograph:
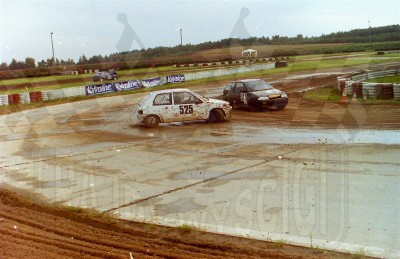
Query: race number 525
(186, 109)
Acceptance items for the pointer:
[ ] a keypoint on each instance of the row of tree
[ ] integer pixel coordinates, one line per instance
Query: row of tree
(377, 34)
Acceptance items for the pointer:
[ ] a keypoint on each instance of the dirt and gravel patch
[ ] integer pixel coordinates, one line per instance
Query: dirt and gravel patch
(35, 230)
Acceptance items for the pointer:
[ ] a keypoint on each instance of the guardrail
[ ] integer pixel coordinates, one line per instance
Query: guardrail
(374, 74)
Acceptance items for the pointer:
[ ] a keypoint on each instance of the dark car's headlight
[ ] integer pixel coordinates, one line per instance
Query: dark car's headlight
(263, 98)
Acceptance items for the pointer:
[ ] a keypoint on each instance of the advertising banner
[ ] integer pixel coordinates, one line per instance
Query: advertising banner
(152, 82)
(175, 78)
(99, 89)
(127, 85)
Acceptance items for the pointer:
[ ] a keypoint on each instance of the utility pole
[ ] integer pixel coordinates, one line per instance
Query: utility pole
(52, 47)
(181, 36)
(369, 27)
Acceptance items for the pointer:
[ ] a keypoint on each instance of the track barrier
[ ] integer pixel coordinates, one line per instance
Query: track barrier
(344, 95)
(48, 95)
(356, 87)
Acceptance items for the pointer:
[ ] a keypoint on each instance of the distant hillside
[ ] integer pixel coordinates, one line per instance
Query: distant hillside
(369, 35)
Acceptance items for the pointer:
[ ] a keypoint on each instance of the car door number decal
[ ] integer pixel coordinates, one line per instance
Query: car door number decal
(243, 97)
(186, 109)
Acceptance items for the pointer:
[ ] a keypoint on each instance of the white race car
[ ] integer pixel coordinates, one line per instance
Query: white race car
(180, 105)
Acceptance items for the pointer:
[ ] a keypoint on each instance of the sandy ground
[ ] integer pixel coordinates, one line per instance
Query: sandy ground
(41, 231)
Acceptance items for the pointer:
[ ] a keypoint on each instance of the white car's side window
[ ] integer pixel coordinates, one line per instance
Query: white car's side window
(162, 99)
(185, 98)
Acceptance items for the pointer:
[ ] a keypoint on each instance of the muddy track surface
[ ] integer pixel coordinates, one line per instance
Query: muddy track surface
(35, 231)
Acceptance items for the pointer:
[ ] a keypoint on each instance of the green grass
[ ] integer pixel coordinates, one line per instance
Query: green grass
(359, 254)
(332, 94)
(323, 94)
(279, 243)
(185, 229)
(387, 79)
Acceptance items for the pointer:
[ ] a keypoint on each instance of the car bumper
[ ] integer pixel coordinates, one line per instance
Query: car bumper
(139, 117)
(272, 102)
(228, 113)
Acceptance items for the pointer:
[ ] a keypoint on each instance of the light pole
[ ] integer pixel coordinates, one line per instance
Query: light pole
(181, 36)
(369, 32)
(52, 47)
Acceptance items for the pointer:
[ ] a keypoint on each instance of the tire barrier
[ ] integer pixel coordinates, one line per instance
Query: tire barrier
(357, 88)
(355, 85)
(369, 91)
(25, 98)
(3, 100)
(45, 96)
(382, 91)
(396, 91)
(35, 97)
(14, 99)
(386, 91)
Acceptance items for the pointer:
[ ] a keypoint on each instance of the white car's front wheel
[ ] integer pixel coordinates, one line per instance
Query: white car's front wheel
(216, 115)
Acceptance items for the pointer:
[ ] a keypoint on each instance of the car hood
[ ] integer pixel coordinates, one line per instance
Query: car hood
(266, 93)
(216, 101)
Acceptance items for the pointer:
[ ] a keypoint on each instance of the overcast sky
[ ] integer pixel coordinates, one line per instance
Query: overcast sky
(93, 27)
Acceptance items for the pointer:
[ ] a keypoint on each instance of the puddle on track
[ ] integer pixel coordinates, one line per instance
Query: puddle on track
(305, 136)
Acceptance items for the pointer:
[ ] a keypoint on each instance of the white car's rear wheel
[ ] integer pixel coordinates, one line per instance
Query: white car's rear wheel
(151, 121)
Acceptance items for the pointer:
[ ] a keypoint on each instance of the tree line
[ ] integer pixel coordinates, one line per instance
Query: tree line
(376, 34)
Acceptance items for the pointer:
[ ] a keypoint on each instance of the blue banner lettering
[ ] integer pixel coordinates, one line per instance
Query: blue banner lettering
(99, 89)
(152, 82)
(175, 78)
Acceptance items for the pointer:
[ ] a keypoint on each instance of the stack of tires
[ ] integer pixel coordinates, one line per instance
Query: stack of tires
(45, 96)
(357, 88)
(35, 97)
(396, 91)
(387, 91)
(14, 99)
(370, 91)
(25, 98)
(3, 100)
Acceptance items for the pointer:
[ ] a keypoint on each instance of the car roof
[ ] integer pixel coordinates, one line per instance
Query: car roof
(170, 91)
(246, 80)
